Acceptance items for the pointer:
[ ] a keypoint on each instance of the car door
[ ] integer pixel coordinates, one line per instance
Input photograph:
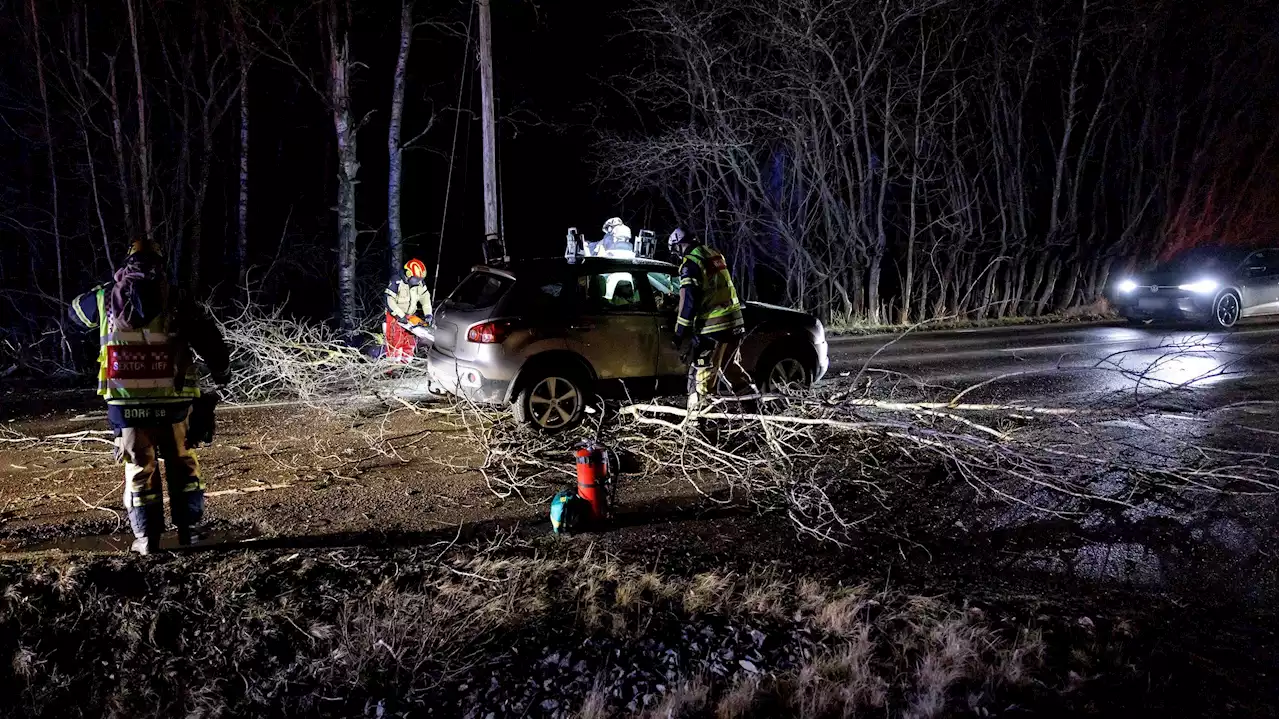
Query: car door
(615, 329)
(665, 287)
(1271, 289)
(1260, 283)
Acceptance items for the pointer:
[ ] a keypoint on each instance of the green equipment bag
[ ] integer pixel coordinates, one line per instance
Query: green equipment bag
(567, 511)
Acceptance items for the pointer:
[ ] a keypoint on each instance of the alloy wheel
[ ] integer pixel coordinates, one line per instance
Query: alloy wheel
(553, 402)
(1228, 310)
(787, 374)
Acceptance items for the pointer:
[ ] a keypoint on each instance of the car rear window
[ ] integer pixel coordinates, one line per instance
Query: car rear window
(480, 290)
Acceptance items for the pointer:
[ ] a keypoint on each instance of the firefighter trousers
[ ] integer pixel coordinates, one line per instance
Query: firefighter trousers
(142, 448)
(400, 342)
(717, 365)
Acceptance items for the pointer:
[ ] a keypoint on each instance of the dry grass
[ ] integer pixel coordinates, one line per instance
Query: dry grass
(686, 699)
(326, 632)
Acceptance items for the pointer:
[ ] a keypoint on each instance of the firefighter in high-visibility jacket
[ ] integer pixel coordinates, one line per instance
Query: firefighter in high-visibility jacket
(710, 318)
(408, 308)
(147, 331)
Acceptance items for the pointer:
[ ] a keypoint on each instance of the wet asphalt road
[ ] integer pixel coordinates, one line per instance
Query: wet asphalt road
(1067, 363)
(1175, 389)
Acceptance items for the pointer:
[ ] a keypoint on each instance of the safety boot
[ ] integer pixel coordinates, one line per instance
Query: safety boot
(188, 536)
(145, 545)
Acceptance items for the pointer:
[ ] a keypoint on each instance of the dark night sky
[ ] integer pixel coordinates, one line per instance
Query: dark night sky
(552, 64)
(553, 60)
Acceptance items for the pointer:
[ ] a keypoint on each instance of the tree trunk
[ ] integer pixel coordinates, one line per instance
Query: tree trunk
(395, 238)
(873, 287)
(93, 189)
(53, 179)
(1051, 283)
(122, 164)
(242, 204)
(192, 255)
(348, 167)
(177, 234)
(1067, 296)
(144, 151)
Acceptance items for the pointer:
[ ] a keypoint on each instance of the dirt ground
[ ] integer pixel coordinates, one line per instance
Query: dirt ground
(284, 472)
(1133, 613)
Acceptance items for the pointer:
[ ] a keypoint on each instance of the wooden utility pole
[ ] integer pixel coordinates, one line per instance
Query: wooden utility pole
(489, 140)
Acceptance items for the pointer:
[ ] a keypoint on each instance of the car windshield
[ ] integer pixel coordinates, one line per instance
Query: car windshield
(480, 290)
(1201, 259)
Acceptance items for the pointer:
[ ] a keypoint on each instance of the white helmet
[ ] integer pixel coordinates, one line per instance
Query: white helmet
(676, 237)
(611, 223)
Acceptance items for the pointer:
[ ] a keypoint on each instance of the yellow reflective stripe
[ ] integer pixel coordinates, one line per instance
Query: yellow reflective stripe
(682, 322)
(721, 326)
(689, 282)
(75, 305)
(148, 383)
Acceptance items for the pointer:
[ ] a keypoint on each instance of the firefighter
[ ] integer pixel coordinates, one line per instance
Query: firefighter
(617, 241)
(147, 331)
(408, 306)
(710, 318)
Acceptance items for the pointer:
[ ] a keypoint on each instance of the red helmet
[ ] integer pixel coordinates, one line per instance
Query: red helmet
(415, 268)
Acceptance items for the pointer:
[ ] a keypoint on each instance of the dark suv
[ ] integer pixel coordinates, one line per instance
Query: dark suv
(544, 336)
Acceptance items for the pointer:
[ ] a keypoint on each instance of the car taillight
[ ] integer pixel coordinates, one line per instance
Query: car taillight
(489, 333)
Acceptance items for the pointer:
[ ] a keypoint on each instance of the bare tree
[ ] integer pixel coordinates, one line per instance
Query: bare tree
(144, 148)
(53, 169)
(395, 151)
(345, 131)
(244, 50)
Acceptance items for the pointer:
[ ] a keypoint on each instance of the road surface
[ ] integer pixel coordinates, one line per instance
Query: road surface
(1065, 362)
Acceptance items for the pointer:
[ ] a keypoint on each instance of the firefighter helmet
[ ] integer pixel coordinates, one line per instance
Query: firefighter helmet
(143, 246)
(415, 268)
(611, 223)
(679, 236)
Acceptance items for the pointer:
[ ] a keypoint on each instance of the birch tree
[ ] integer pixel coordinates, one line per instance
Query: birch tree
(395, 151)
(345, 131)
(53, 170)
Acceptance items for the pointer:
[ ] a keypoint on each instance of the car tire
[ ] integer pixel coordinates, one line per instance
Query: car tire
(782, 371)
(1226, 311)
(553, 400)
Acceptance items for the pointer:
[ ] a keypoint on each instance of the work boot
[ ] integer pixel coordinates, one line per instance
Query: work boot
(188, 536)
(145, 545)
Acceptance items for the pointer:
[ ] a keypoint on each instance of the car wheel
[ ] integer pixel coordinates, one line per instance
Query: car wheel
(1226, 311)
(785, 373)
(554, 401)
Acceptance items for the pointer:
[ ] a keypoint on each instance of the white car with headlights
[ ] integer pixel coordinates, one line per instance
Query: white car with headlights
(1216, 286)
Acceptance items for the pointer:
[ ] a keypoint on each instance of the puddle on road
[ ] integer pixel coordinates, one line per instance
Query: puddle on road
(112, 543)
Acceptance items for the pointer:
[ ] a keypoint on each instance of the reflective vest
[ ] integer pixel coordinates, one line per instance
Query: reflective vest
(140, 366)
(718, 307)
